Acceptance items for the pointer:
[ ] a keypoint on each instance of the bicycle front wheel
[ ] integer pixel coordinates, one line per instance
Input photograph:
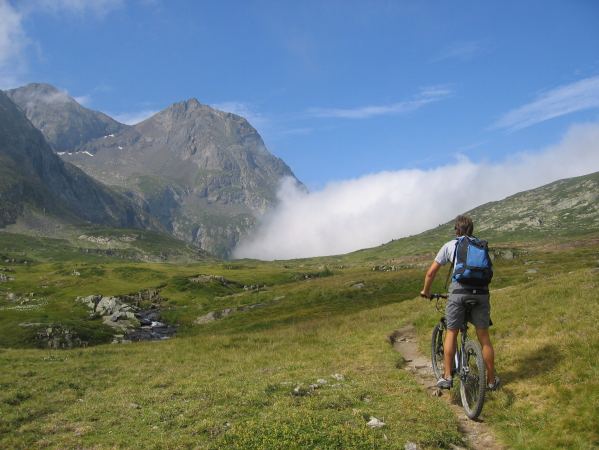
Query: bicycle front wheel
(437, 350)
(473, 380)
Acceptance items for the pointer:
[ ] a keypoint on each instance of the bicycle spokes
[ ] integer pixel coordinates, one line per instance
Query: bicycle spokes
(473, 379)
(437, 350)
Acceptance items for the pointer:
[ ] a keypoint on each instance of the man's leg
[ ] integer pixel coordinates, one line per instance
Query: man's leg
(488, 353)
(449, 346)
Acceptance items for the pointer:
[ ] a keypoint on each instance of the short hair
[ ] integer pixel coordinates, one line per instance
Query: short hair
(463, 226)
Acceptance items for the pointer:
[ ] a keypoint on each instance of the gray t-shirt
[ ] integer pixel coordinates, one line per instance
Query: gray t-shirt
(446, 253)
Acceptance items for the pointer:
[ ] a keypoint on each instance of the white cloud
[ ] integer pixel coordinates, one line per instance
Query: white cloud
(245, 110)
(578, 96)
(83, 99)
(424, 97)
(134, 117)
(374, 209)
(48, 97)
(99, 8)
(462, 51)
(12, 42)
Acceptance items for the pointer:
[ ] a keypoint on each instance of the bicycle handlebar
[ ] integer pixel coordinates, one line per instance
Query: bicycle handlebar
(437, 296)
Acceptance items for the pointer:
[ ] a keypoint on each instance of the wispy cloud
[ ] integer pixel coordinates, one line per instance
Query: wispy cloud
(424, 97)
(245, 110)
(374, 209)
(12, 43)
(98, 8)
(83, 99)
(133, 117)
(567, 99)
(462, 51)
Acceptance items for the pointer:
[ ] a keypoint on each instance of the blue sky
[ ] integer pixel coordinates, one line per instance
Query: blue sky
(338, 89)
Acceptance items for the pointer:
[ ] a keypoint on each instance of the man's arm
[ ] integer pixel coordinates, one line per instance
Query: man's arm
(428, 279)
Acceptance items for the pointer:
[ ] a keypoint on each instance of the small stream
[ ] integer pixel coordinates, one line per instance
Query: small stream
(151, 327)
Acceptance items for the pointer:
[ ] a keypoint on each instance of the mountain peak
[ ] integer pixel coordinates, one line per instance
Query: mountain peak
(39, 87)
(33, 93)
(64, 122)
(192, 102)
(186, 106)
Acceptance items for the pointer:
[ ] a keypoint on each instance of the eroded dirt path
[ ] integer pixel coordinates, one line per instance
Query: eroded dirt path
(477, 434)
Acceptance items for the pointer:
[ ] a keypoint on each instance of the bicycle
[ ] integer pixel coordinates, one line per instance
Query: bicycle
(468, 362)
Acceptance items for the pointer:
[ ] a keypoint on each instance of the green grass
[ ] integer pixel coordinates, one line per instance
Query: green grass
(226, 388)
(230, 383)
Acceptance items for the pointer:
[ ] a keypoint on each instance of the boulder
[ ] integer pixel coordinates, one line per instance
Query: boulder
(107, 306)
(375, 423)
(206, 318)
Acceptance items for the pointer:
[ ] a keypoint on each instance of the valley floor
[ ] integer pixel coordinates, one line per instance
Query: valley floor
(309, 368)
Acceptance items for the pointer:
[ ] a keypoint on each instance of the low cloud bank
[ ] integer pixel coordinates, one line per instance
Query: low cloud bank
(373, 209)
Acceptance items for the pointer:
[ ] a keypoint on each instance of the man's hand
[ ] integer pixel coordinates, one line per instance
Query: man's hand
(428, 279)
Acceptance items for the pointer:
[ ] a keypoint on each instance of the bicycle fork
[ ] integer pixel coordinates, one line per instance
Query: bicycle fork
(459, 364)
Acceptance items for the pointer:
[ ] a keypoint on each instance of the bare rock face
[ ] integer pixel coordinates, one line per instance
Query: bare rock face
(206, 174)
(64, 122)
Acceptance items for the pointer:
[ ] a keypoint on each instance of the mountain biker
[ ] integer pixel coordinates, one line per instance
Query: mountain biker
(455, 310)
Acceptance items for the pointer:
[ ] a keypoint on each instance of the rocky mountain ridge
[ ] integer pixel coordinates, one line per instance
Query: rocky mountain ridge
(206, 174)
(64, 122)
(33, 176)
(569, 205)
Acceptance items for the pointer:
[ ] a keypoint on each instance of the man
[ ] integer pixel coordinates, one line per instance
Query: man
(455, 311)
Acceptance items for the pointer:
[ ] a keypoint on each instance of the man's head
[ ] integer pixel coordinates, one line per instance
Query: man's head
(463, 226)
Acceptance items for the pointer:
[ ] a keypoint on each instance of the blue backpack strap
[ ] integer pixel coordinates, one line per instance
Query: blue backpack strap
(452, 263)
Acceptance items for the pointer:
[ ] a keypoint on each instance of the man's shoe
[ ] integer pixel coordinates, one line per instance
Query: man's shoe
(444, 383)
(495, 385)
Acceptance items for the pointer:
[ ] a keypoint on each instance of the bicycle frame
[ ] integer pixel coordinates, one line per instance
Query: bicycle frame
(472, 385)
(459, 364)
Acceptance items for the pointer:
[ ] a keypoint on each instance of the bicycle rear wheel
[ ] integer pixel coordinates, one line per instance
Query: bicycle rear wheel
(437, 350)
(473, 381)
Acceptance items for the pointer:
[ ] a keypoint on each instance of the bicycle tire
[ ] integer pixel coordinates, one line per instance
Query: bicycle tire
(473, 383)
(437, 340)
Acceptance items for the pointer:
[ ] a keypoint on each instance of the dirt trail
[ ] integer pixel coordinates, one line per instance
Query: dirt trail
(477, 434)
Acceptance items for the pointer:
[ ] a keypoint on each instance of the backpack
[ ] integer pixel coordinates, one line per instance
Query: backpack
(471, 262)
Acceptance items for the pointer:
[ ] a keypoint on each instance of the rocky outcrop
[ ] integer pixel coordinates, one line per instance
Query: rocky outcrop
(4, 278)
(55, 336)
(129, 320)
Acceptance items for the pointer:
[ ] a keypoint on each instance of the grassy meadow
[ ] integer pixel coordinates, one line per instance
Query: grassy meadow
(306, 369)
